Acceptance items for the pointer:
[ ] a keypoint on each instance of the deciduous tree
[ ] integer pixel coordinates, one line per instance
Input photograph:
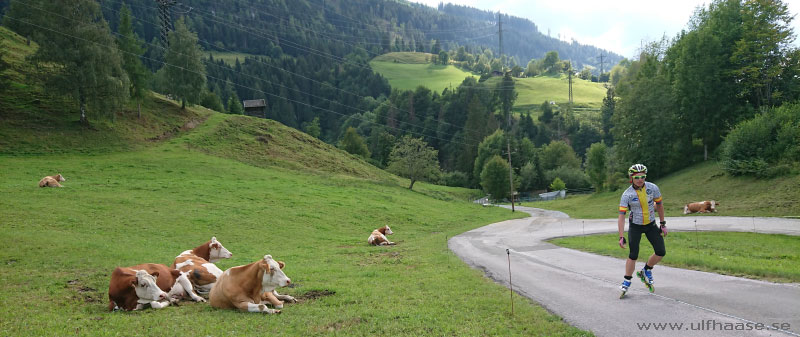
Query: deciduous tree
(77, 56)
(412, 158)
(494, 177)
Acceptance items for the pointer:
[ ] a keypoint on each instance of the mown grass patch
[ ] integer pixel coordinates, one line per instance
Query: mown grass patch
(147, 206)
(405, 57)
(408, 76)
(772, 257)
(230, 57)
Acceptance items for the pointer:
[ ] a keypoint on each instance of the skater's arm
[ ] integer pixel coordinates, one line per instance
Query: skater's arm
(621, 227)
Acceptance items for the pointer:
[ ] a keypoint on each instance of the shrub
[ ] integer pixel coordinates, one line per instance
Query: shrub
(455, 179)
(557, 185)
(573, 177)
(766, 146)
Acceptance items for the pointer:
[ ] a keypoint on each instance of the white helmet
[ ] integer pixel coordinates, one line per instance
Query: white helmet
(636, 168)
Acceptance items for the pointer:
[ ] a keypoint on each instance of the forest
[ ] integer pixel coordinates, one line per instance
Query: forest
(728, 80)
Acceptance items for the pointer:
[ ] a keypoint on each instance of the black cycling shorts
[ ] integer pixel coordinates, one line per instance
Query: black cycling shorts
(653, 234)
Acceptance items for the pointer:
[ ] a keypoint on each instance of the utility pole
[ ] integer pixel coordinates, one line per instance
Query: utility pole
(569, 75)
(163, 15)
(601, 66)
(500, 32)
(510, 168)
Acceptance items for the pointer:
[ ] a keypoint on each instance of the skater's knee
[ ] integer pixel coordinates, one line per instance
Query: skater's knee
(633, 256)
(661, 252)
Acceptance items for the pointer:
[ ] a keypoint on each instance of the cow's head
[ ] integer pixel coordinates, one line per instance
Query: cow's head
(59, 177)
(386, 230)
(146, 288)
(273, 274)
(216, 251)
(714, 205)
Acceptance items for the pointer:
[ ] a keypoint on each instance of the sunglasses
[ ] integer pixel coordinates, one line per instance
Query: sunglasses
(639, 177)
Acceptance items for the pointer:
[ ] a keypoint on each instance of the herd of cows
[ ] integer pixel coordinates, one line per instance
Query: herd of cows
(250, 288)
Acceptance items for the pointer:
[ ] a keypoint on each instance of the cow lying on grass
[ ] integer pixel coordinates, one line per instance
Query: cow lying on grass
(199, 266)
(52, 181)
(378, 237)
(132, 288)
(250, 287)
(701, 207)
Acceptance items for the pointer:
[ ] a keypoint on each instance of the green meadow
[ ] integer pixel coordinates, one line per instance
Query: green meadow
(123, 206)
(532, 91)
(407, 71)
(772, 257)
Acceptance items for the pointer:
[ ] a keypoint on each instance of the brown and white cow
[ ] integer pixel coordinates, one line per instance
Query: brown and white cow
(52, 181)
(199, 265)
(701, 207)
(378, 237)
(131, 288)
(250, 287)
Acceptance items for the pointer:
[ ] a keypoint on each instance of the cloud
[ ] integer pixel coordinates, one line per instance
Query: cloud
(621, 26)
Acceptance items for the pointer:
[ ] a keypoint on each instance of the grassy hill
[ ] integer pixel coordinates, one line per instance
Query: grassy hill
(408, 70)
(143, 190)
(738, 196)
(535, 90)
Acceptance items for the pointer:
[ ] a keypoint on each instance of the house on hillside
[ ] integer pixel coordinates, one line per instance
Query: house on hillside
(255, 107)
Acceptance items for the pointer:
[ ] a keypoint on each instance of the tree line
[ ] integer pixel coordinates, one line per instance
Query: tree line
(674, 105)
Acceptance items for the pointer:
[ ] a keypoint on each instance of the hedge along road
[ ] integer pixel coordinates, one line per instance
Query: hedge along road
(583, 288)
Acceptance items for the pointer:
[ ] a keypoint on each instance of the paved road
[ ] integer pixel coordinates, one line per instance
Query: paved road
(583, 288)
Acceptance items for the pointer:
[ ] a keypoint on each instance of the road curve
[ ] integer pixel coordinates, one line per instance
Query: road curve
(583, 289)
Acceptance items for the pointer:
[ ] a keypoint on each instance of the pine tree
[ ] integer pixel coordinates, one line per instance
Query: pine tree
(131, 48)
(185, 71)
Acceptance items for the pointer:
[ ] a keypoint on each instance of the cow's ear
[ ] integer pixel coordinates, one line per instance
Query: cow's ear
(155, 274)
(264, 265)
(280, 263)
(133, 283)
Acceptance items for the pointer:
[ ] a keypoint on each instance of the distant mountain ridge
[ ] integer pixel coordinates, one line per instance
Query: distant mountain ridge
(523, 40)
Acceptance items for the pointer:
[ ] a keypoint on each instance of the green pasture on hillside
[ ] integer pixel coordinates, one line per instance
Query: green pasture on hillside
(407, 71)
(773, 257)
(409, 76)
(148, 205)
(532, 91)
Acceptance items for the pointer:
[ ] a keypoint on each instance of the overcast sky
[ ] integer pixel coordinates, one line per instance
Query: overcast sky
(619, 26)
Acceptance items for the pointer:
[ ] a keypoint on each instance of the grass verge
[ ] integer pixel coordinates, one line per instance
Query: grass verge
(772, 257)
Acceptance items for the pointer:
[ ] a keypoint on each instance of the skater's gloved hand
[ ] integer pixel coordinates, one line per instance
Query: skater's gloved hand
(664, 230)
(622, 242)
